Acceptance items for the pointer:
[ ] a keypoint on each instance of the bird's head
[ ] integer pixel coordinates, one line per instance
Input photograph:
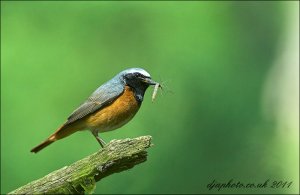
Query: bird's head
(138, 79)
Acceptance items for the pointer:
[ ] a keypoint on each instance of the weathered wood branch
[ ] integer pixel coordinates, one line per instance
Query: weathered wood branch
(81, 176)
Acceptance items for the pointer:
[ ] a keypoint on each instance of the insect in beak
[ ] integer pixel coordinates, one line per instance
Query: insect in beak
(157, 85)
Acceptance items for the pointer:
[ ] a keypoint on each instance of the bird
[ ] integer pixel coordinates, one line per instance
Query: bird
(109, 107)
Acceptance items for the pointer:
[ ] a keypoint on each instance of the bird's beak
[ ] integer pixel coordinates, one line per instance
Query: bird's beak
(149, 81)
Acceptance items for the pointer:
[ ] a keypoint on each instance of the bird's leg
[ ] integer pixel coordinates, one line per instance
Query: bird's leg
(100, 141)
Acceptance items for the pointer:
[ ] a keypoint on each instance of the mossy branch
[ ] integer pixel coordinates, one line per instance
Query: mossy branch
(81, 176)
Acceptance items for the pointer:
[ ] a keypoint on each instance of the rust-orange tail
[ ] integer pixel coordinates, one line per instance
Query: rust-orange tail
(42, 145)
(63, 131)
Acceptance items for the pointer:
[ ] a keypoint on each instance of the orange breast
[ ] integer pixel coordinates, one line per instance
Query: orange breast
(116, 114)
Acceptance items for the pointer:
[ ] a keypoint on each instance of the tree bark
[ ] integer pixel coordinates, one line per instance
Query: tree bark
(81, 176)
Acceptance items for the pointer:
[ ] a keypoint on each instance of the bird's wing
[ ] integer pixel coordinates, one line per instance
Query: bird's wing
(104, 95)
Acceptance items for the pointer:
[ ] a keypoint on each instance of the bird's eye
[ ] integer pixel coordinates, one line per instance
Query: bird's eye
(138, 74)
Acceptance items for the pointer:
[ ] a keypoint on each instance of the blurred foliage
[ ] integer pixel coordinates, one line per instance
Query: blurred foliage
(213, 58)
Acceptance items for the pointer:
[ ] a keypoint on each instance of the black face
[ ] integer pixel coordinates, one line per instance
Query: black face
(139, 83)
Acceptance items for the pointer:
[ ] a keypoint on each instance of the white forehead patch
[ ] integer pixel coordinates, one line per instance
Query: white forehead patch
(139, 70)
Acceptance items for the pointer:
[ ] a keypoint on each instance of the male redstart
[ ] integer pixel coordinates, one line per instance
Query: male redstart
(111, 106)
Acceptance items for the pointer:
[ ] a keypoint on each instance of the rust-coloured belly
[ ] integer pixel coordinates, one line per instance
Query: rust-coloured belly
(116, 114)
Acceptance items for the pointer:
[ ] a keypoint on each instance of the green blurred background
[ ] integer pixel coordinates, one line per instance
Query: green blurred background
(229, 110)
